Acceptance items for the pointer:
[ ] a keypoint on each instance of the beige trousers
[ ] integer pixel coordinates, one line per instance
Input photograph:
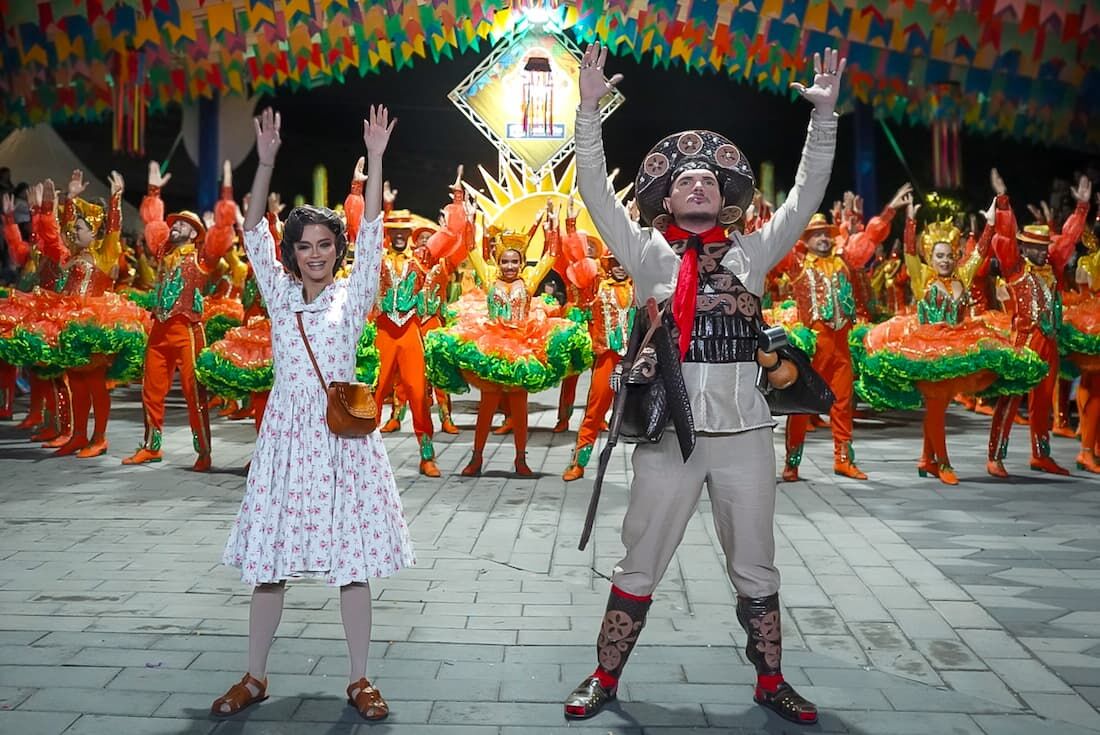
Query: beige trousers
(739, 472)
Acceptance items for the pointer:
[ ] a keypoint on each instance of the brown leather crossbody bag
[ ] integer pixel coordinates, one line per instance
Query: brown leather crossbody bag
(351, 408)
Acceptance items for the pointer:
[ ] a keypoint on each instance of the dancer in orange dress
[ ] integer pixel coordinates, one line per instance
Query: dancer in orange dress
(18, 252)
(28, 320)
(504, 343)
(942, 350)
(1029, 259)
(100, 331)
(185, 262)
(1079, 341)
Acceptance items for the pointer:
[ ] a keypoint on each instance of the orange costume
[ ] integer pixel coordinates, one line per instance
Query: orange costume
(49, 410)
(1080, 341)
(941, 350)
(90, 279)
(18, 251)
(1035, 300)
(823, 293)
(504, 342)
(400, 342)
(433, 303)
(609, 327)
(578, 268)
(183, 271)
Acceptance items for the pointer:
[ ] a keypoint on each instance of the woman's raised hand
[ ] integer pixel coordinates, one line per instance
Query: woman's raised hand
(377, 128)
(267, 136)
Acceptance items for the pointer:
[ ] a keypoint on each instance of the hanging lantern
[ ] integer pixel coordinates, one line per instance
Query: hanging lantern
(128, 103)
(538, 97)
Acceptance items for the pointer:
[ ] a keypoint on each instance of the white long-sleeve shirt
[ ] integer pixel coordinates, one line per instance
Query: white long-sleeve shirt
(724, 397)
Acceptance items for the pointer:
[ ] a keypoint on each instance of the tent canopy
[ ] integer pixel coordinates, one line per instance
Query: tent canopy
(37, 153)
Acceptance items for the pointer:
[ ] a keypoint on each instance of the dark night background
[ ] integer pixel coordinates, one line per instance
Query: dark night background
(324, 125)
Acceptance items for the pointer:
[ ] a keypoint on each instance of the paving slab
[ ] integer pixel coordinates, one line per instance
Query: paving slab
(908, 606)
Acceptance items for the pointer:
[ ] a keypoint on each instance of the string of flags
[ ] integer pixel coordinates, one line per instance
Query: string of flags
(1027, 69)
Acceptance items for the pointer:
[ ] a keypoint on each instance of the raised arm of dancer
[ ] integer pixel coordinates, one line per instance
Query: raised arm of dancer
(968, 267)
(919, 271)
(18, 248)
(643, 253)
(109, 251)
(46, 228)
(1005, 248)
(862, 245)
(353, 203)
(534, 275)
(219, 238)
(152, 212)
(1064, 244)
(486, 271)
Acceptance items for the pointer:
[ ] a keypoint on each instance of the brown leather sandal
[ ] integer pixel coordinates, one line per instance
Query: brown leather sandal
(368, 701)
(240, 697)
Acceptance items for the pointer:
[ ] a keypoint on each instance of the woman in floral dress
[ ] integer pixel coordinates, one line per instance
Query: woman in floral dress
(315, 504)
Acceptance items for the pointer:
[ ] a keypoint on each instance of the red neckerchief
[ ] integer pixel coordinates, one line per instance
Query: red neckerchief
(687, 282)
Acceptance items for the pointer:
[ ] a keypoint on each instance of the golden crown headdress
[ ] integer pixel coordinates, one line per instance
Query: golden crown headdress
(91, 213)
(937, 232)
(501, 239)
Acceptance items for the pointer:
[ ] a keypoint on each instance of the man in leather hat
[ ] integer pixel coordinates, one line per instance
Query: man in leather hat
(693, 189)
(185, 262)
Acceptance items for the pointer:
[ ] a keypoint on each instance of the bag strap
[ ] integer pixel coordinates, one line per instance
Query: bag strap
(305, 339)
(655, 317)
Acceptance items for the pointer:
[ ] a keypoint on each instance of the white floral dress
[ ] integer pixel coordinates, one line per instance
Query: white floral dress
(316, 504)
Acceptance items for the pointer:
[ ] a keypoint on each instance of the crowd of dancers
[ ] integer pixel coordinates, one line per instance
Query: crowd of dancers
(979, 311)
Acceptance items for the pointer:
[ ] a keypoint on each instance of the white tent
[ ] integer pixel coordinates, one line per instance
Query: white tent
(37, 153)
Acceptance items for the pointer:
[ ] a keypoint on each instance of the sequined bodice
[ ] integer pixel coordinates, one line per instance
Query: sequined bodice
(508, 302)
(939, 305)
(82, 278)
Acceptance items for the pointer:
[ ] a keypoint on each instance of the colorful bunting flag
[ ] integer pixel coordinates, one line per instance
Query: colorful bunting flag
(1028, 68)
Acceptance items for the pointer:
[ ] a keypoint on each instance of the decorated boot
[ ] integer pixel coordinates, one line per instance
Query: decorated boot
(844, 462)
(790, 466)
(428, 467)
(575, 470)
(1041, 461)
(759, 616)
(622, 624)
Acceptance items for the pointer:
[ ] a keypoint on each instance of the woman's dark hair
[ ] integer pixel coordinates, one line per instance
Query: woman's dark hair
(296, 222)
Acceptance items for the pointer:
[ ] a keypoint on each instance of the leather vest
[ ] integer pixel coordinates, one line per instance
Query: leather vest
(727, 315)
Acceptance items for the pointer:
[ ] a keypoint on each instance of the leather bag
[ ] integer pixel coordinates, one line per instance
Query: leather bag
(351, 408)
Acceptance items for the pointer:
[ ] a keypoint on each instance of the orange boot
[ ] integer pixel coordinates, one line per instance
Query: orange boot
(1087, 461)
(144, 456)
(844, 463)
(575, 470)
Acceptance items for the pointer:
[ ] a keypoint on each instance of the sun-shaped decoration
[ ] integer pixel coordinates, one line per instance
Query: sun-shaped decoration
(516, 203)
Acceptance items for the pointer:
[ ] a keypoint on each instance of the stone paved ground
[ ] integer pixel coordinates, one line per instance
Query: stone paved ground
(909, 607)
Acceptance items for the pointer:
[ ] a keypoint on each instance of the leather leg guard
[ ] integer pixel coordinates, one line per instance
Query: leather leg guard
(759, 616)
(619, 631)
